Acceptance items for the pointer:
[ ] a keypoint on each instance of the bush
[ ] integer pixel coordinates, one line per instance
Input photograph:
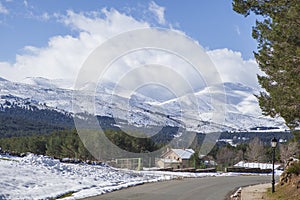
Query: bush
(294, 169)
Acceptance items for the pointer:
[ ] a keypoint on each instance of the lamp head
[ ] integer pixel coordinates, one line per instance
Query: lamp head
(274, 142)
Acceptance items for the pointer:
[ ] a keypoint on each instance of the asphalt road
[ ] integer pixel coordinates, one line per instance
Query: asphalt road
(208, 188)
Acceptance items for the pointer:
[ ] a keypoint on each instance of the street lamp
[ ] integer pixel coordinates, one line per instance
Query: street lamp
(273, 144)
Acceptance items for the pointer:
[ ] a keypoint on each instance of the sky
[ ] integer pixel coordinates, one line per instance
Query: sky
(52, 38)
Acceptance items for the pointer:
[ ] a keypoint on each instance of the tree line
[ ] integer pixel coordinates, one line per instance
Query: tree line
(255, 151)
(68, 144)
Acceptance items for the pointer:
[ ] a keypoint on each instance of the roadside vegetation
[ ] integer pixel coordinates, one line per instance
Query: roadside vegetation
(289, 186)
(255, 151)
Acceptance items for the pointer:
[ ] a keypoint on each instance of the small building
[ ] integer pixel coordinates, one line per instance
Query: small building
(176, 159)
(207, 161)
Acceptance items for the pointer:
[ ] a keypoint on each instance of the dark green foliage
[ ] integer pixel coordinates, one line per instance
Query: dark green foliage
(294, 169)
(278, 55)
(297, 139)
(266, 137)
(66, 144)
(59, 144)
(269, 154)
(296, 134)
(195, 161)
(130, 143)
(34, 144)
(19, 126)
(163, 137)
(16, 121)
(34, 114)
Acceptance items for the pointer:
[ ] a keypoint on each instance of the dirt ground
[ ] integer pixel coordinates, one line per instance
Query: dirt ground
(254, 192)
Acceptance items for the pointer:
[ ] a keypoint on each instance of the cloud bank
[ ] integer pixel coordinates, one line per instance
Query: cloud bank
(65, 54)
(233, 68)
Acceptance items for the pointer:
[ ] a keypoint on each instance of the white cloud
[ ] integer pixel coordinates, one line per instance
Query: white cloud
(45, 16)
(25, 3)
(237, 29)
(64, 55)
(158, 11)
(3, 10)
(39, 17)
(233, 68)
(6, 70)
(105, 27)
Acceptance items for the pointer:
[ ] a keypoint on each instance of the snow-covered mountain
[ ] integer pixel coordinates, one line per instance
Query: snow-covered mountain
(47, 83)
(242, 109)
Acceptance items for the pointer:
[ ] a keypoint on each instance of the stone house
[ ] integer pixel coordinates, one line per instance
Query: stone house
(176, 159)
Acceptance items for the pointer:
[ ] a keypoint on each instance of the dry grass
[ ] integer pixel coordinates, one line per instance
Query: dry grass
(288, 191)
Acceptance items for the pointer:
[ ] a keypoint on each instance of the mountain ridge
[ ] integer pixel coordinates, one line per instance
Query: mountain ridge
(242, 109)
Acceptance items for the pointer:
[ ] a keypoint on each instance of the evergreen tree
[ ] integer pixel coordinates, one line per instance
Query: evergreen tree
(278, 37)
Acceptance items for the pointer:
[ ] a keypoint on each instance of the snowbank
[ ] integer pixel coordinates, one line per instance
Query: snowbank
(256, 165)
(42, 177)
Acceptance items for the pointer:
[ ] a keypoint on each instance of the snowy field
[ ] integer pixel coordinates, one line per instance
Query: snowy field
(40, 177)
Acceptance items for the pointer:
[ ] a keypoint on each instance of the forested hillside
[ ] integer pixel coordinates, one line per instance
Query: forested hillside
(17, 121)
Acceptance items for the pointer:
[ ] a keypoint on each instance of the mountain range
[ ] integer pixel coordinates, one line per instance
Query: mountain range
(242, 112)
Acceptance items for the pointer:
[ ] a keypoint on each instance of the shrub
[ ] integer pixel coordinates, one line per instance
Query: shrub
(294, 169)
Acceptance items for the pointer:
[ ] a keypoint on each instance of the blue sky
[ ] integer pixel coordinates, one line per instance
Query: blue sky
(213, 23)
(29, 27)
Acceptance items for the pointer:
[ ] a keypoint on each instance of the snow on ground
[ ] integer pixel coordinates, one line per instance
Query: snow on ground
(41, 177)
(256, 165)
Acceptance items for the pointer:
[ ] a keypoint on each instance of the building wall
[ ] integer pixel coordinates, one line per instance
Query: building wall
(162, 164)
(181, 163)
(172, 155)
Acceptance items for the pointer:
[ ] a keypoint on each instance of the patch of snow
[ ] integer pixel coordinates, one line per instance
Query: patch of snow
(256, 165)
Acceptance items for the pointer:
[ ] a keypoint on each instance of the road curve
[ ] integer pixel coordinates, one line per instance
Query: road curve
(208, 188)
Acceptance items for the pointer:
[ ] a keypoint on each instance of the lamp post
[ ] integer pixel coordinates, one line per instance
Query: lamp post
(273, 144)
